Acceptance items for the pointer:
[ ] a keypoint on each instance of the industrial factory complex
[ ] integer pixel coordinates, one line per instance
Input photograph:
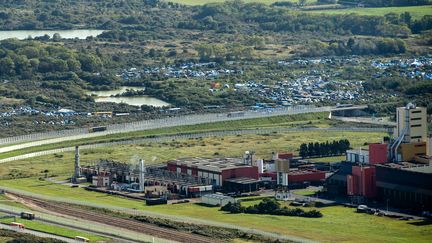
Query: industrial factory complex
(397, 171)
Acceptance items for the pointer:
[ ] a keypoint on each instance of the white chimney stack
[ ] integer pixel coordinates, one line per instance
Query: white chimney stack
(142, 171)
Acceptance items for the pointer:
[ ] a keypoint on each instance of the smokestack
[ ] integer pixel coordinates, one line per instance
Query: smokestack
(142, 171)
(260, 164)
(77, 173)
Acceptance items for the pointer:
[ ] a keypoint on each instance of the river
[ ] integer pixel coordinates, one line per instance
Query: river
(107, 96)
(67, 34)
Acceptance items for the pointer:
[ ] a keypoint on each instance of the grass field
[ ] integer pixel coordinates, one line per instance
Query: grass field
(229, 146)
(56, 230)
(331, 159)
(305, 192)
(417, 12)
(338, 224)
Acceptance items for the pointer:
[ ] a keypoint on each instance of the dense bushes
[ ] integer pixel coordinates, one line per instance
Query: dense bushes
(270, 206)
(32, 57)
(228, 17)
(281, 20)
(378, 46)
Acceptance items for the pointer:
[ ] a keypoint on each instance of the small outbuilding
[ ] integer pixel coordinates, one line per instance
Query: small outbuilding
(217, 199)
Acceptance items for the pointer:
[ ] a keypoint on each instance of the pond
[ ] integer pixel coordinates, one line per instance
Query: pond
(67, 34)
(106, 96)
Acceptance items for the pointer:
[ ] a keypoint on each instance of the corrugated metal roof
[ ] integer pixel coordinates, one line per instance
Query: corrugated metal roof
(217, 196)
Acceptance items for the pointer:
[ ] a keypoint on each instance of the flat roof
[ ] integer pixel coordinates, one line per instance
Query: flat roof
(304, 172)
(211, 164)
(217, 196)
(423, 168)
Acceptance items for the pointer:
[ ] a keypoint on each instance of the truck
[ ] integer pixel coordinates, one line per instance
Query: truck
(27, 215)
(98, 129)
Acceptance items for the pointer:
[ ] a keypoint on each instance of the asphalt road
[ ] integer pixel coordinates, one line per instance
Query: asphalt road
(193, 135)
(32, 140)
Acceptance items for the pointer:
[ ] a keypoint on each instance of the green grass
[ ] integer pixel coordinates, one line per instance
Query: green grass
(331, 159)
(305, 192)
(56, 230)
(338, 224)
(417, 12)
(311, 119)
(228, 146)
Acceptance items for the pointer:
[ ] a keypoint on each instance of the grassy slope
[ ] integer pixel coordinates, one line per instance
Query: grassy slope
(417, 12)
(56, 230)
(338, 223)
(229, 146)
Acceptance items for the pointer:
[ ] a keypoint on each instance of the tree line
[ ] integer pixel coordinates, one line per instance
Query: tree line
(229, 17)
(324, 149)
(376, 46)
(30, 57)
(236, 16)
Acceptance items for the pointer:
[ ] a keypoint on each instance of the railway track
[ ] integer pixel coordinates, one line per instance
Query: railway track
(128, 224)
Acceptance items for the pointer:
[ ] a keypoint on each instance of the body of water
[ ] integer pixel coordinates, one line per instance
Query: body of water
(106, 96)
(68, 34)
(134, 100)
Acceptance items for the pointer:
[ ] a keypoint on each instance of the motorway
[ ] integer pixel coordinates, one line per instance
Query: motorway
(32, 140)
(191, 136)
(366, 120)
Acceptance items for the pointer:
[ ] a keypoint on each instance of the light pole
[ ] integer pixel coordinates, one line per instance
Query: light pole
(387, 204)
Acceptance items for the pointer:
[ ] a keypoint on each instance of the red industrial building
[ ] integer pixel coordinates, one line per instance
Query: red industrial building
(362, 182)
(306, 175)
(296, 176)
(285, 155)
(378, 153)
(214, 171)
